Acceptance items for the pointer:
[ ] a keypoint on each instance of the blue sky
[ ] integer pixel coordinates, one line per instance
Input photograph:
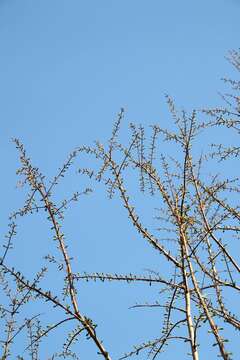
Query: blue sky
(66, 68)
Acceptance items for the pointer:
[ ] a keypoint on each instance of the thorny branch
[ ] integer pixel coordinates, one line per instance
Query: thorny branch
(195, 241)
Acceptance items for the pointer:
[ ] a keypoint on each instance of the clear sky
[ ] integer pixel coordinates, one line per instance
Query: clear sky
(66, 68)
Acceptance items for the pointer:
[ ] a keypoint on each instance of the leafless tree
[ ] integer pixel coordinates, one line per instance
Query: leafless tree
(198, 216)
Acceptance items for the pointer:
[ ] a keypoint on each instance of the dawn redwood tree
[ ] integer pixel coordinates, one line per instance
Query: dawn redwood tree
(198, 215)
